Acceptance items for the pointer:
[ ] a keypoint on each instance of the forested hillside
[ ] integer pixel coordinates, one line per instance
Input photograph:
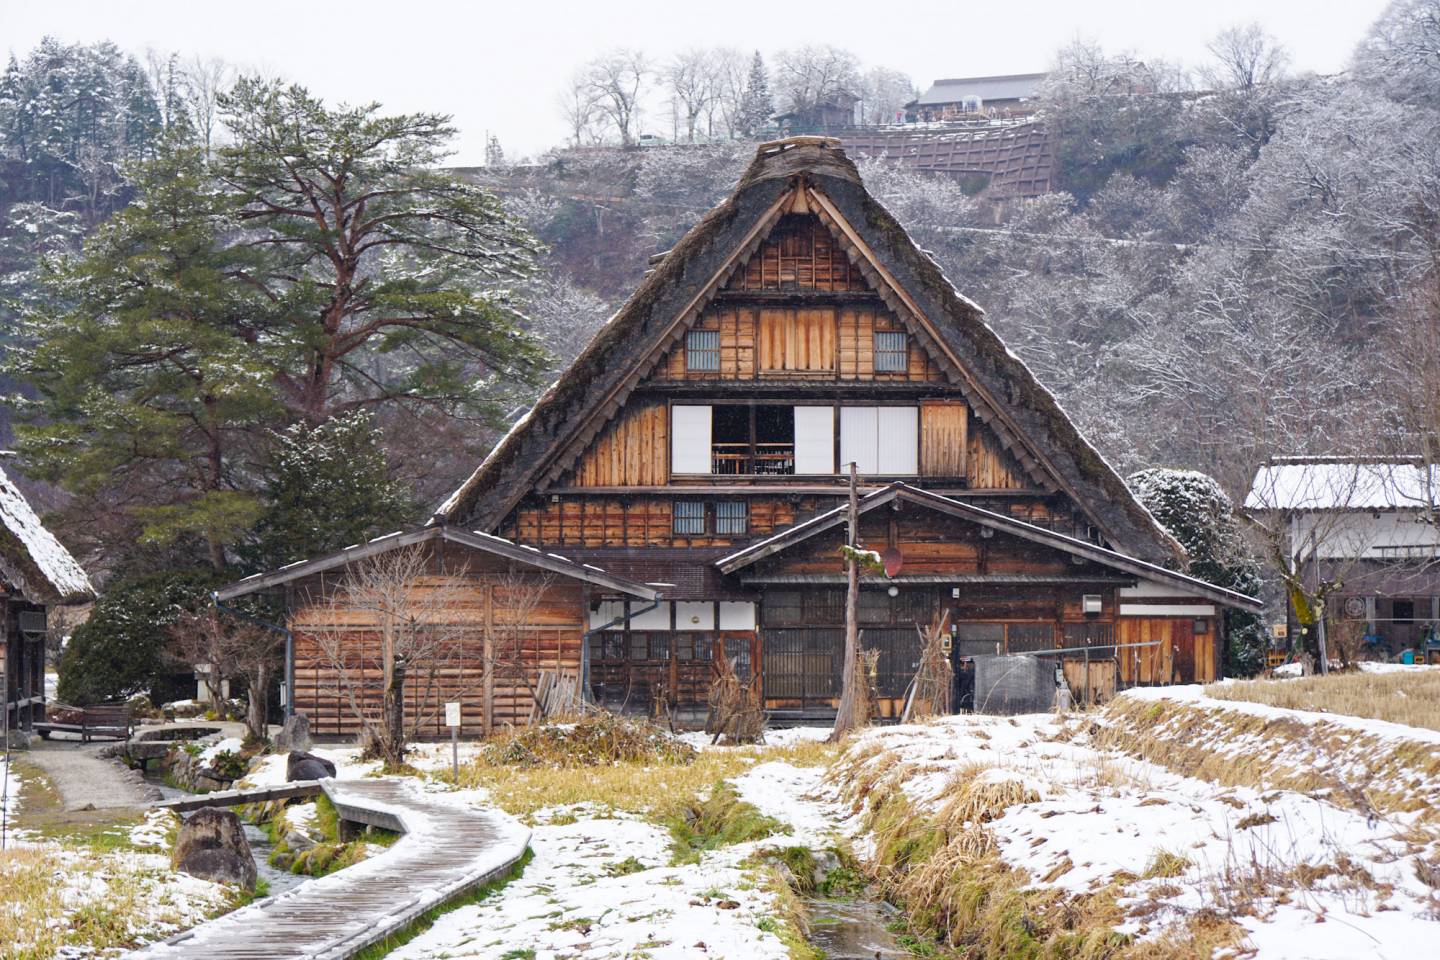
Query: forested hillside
(1240, 261)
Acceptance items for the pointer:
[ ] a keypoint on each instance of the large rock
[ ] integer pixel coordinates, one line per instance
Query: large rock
(212, 846)
(307, 766)
(295, 735)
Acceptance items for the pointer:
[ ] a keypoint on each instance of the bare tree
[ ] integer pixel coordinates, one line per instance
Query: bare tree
(230, 649)
(206, 78)
(884, 93)
(391, 617)
(693, 82)
(725, 111)
(578, 106)
(617, 81)
(808, 76)
(1246, 57)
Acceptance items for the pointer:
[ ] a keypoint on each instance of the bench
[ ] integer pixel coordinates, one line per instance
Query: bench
(104, 721)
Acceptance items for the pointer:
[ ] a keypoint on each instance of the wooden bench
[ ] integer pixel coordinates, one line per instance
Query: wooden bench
(104, 721)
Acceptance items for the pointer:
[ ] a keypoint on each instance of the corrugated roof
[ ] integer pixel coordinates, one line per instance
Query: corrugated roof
(1337, 483)
(1012, 86)
(31, 559)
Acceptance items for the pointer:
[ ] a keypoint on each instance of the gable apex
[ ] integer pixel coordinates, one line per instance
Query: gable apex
(813, 175)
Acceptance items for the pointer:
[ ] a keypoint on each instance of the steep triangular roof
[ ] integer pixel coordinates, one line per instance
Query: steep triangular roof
(32, 561)
(810, 173)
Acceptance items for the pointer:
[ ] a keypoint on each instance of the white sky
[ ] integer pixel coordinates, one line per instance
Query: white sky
(499, 66)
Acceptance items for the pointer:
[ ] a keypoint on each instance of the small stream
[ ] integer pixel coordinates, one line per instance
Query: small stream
(260, 845)
(854, 929)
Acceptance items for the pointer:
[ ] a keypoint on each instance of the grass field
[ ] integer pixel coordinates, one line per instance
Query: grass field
(1410, 697)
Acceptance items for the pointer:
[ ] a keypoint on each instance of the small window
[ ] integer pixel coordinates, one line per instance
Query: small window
(690, 517)
(702, 350)
(732, 517)
(892, 352)
(1201, 627)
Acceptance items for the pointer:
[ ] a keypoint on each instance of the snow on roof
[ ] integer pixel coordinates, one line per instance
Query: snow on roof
(1014, 86)
(31, 559)
(1337, 483)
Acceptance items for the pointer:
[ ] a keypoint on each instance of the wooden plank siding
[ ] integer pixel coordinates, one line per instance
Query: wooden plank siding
(489, 601)
(799, 254)
(631, 522)
(944, 429)
(632, 450)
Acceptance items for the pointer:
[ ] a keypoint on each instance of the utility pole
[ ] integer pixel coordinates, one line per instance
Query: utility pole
(846, 718)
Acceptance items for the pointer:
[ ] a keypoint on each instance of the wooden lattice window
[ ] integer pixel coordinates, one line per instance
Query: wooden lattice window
(732, 517)
(892, 351)
(702, 350)
(690, 517)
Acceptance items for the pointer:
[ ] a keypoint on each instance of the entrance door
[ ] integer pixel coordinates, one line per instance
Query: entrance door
(1182, 645)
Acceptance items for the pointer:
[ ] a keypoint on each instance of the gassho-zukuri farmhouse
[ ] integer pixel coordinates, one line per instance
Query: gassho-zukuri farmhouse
(680, 493)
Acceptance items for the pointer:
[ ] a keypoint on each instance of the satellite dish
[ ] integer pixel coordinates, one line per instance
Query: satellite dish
(893, 560)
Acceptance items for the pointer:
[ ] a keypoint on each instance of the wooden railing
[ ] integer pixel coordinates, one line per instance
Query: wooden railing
(763, 459)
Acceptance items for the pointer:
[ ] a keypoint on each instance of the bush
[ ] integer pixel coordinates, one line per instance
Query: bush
(121, 650)
(594, 741)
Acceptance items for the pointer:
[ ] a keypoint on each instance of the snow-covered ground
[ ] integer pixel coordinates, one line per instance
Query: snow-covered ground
(1305, 877)
(601, 885)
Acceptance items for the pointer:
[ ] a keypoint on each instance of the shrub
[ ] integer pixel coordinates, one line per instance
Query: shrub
(121, 650)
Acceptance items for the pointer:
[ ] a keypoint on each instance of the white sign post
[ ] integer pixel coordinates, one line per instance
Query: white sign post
(452, 720)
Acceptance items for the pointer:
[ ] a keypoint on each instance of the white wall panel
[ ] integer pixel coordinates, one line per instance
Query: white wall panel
(857, 439)
(690, 439)
(897, 440)
(737, 615)
(694, 615)
(814, 439)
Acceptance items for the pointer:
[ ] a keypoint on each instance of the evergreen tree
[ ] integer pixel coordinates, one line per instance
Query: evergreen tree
(329, 486)
(1197, 513)
(149, 366)
(757, 106)
(395, 276)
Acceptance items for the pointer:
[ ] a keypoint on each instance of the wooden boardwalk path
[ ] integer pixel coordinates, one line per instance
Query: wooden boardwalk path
(447, 849)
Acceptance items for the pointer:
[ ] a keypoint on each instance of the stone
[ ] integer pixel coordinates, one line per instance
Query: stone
(211, 845)
(295, 735)
(307, 766)
(299, 842)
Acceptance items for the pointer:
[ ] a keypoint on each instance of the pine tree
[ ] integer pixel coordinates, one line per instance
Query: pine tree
(328, 486)
(757, 106)
(396, 277)
(148, 363)
(494, 153)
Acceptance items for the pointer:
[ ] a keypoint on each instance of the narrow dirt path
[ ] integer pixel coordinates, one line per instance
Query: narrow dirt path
(84, 779)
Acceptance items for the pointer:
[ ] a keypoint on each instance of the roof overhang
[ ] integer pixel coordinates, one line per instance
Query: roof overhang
(497, 546)
(1140, 569)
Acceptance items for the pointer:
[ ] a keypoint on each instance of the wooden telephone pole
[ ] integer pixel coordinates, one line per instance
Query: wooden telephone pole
(854, 705)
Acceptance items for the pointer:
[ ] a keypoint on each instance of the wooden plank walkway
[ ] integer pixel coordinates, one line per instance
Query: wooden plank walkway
(447, 849)
(235, 798)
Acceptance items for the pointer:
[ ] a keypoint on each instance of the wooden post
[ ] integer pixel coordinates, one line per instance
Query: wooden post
(489, 658)
(845, 719)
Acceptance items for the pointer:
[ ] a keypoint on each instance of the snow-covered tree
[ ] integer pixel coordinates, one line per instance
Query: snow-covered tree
(1197, 513)
(758, 106)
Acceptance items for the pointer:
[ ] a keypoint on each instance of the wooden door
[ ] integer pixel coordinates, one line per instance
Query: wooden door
(1182, 645)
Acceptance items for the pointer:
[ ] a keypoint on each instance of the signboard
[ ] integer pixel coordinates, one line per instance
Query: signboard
(452, 714)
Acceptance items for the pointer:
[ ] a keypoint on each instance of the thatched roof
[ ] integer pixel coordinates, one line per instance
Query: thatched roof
(1001, 388)
(32, 561)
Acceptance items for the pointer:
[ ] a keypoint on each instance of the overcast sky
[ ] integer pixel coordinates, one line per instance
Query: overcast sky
(499, 67)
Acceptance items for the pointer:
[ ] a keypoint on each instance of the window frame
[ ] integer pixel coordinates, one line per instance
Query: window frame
(709, 350)
(742, 516)
(900, 356)
(676, 517)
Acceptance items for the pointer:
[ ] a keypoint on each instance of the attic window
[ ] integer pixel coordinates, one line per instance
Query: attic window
(732, 517)
(892, 353)
(690, 517)
(702, 350)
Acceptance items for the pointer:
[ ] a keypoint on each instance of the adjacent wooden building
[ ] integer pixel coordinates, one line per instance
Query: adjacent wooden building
(698, 449)
(36, 572)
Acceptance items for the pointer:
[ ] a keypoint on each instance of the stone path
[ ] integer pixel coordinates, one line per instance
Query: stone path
(86, 779)
(447, 849)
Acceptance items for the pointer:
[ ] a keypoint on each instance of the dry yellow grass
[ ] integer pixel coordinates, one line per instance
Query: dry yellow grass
(1407, 697)
(627, 787)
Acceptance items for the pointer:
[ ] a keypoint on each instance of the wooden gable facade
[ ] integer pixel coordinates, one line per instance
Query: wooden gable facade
(794, 331)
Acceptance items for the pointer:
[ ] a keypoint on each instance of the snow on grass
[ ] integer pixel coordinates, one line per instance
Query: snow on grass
(227, 745)
(1169, 848)
(1398, 693)
(602, 884)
